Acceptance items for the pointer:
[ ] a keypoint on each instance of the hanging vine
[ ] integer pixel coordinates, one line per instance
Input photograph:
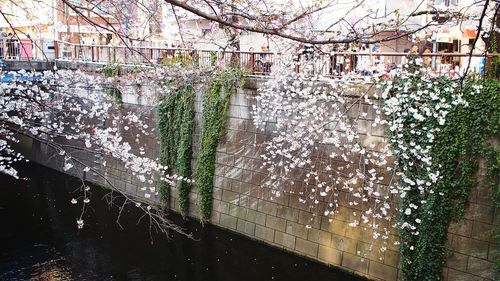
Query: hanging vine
(430, 122)
(112, 70)
(214, 116)
(176, 126)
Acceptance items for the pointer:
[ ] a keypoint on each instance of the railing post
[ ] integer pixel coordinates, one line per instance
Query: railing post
(334, 64)
(351, 63)
(56, 49)
(252, 60)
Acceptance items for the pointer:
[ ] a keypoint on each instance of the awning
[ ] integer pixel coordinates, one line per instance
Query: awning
(469, 32)
(447, 35)
(444, 36)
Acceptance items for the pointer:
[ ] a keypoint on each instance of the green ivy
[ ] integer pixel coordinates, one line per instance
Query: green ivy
(213, 58)
(112, 69)
(115, 94)
(467, 136)
(175, 127)
(214, 116)
(493, 69)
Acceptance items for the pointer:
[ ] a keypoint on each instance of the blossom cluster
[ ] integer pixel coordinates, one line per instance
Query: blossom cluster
(328, 141)
(69, 112)
(354, 143)
(416, 107)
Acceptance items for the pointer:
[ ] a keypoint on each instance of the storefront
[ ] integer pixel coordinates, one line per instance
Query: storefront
(11, 47)
(455, 40)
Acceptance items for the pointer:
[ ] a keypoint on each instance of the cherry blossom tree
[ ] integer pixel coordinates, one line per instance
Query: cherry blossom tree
(330, 145)
(69, 113)
(313, 113)
(304, 22)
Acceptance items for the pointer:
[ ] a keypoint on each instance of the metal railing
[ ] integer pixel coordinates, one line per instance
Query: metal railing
(260, 63)
(23, 50)
(254, 62)
(10, 49)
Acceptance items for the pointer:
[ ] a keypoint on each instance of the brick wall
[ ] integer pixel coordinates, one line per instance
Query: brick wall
(242, 204)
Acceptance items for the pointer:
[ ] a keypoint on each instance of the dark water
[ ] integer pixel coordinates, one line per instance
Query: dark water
(39, 240)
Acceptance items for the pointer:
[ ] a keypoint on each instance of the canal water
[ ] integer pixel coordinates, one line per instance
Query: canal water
(39, 240)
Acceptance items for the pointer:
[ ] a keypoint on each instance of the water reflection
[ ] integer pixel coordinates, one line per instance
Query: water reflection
(51, 270)
(39, 241)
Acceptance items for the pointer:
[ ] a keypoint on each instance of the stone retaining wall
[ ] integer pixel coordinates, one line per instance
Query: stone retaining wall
(242, 204)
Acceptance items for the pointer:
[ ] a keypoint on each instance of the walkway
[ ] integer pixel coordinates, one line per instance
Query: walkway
(257, 63)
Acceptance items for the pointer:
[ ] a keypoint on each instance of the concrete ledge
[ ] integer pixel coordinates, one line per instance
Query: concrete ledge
(37, 65)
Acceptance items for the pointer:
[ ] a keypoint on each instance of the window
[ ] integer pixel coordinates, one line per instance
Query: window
(68, 10)
(446, 3)
(109, 37)
(453, 47)
(205, 31)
